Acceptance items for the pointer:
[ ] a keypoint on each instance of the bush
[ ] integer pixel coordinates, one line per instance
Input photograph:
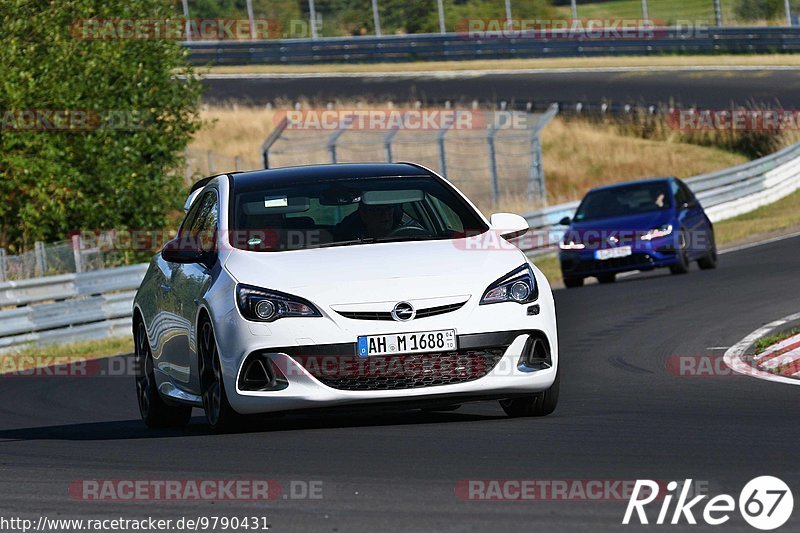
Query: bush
(641, 123)
(122, 175)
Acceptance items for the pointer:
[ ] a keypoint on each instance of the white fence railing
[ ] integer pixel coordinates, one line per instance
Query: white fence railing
(98, 304)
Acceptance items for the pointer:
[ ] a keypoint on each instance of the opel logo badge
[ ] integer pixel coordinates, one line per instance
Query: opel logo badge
(403, 312)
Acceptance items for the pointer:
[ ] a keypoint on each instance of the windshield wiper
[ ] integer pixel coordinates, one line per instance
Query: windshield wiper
(364, 240)
(407, 238)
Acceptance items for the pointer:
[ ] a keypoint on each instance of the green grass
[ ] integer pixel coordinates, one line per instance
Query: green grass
(765, 342)
(550, 267)
(779, 216)
(661, 10)
(666, 11)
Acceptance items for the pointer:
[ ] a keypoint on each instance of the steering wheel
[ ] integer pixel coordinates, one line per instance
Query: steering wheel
(408, 231)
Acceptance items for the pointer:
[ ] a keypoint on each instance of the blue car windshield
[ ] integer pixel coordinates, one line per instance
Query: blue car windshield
(624, 200)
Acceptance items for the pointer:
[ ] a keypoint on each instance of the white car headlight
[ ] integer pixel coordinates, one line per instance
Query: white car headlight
(262, 305)
(661, 231)
(571, 245)
(518, 286)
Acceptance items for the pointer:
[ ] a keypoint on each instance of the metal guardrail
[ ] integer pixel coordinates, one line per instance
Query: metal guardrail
(98, 304)
(83, 306)
(65, 286)
(723, 194)
(458, 46)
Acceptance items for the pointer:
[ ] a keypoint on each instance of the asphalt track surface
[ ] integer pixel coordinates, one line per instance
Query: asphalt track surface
(622, 416)
(706, 89)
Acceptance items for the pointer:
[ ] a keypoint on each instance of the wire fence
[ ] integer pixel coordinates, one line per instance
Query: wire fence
(332, 18)
(62, 257)
(498, 163)
(201, 163)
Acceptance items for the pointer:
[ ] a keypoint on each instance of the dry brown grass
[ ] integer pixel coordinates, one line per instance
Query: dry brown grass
(578, 155)
(230, 132)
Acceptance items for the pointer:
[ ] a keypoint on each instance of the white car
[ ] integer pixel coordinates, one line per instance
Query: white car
(341, 285)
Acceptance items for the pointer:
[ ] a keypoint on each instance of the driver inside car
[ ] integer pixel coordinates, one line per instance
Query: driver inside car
(373, 221)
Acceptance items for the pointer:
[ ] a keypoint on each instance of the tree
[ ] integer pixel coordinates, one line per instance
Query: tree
(121, 169)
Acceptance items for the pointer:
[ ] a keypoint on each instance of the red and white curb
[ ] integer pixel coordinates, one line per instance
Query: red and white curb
(780, 362)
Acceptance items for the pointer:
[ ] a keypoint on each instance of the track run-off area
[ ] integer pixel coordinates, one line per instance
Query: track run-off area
(704, 87)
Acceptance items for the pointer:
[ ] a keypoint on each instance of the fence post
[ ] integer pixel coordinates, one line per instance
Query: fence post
(442, 154)
(334, 138)
(2, 264)
(387, 144)
(210, 157)
(273, 137)
(187, 171)
(536, 184)
(494, 183)
(717, 13)
(39, 256)
(312, 11)
(440, 9)
(77, 252)
(376, 18)
(186, 16)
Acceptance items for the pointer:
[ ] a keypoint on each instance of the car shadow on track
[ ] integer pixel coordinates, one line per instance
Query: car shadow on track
(135, 429)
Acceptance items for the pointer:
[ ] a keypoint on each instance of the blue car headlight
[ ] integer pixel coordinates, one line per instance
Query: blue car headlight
(517, 286)
(661, 231)
(262, 305)
(571, 245)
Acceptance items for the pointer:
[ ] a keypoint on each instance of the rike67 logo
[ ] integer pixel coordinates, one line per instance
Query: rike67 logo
(765, 503)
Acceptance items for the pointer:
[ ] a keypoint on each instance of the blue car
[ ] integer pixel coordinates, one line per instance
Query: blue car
(639, 225)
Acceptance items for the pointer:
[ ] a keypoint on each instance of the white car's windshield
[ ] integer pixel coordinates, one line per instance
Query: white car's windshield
(342, 212)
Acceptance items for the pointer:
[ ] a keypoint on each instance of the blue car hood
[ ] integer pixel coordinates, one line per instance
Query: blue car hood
(638, 222)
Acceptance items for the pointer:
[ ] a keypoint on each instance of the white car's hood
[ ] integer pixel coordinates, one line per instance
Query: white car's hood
(376, 272)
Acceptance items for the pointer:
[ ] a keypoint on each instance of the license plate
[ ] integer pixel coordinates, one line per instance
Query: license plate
(405, 343)
(612, 253)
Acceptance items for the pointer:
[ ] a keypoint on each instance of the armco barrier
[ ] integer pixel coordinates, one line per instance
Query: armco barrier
(98, 304)
(455, 46)
(81, 306)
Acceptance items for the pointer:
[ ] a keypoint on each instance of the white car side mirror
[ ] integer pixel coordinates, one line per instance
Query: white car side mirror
(509, 225)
